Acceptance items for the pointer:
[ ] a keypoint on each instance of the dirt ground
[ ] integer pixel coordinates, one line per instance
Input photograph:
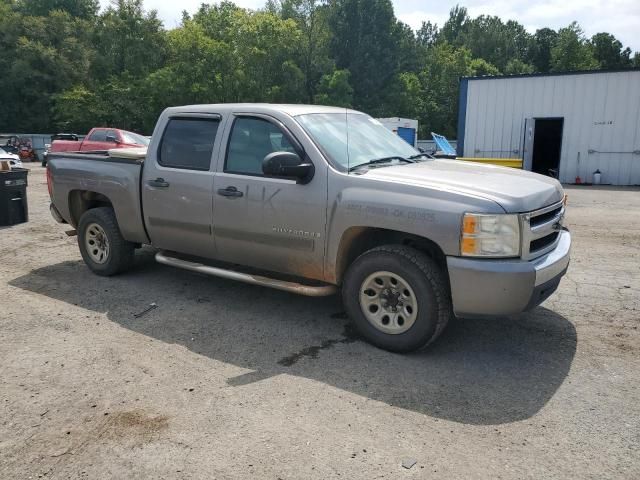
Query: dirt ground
(224, 380)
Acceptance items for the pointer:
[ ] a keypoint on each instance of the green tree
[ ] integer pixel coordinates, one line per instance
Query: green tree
(440, 80)
(481, 68)
(312, 53)
(50, 54)
(540, 54)
(454, 30)
(365, 40)
(608, 51)
(219, 20)
(86, 9)
(517, 67)
(197, 71)
(428, 34)
(128, 39)
(571, 51)
(334, 89)
(76, 109)
(264, 48)
(11, 28)
(406, 94)
(67, 66)
(490, 38)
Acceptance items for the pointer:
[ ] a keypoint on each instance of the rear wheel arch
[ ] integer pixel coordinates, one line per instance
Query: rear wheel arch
(102, 246)
(82, 200)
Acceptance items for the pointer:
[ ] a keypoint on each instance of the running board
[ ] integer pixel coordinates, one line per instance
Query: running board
(307, 290)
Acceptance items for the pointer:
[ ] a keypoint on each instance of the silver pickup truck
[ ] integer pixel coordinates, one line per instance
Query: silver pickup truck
(310, 199)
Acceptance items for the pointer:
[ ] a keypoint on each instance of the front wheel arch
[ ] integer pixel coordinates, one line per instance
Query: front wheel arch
(428, 283)
(357, 240)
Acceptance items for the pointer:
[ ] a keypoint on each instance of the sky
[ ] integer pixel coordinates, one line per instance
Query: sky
(618, 17)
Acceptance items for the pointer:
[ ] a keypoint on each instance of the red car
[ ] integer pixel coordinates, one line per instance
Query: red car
(100, 139)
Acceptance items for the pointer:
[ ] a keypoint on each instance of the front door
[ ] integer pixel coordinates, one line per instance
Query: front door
(270, 223)
(177, 185)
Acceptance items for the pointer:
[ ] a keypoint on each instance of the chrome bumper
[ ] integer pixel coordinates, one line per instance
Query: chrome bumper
(554, 263)
(505, 287)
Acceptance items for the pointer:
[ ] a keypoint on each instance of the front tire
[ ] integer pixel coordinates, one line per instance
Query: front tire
(397, 297)
(102, 246)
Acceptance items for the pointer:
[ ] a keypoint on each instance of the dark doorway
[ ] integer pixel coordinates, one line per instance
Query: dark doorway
(547, 145)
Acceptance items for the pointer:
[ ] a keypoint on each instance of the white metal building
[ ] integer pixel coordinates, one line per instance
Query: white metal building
(572, 124)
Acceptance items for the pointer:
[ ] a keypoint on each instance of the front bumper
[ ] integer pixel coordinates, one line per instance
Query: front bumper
(505, 287)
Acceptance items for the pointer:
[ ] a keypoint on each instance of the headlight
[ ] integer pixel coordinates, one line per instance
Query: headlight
(490, 235)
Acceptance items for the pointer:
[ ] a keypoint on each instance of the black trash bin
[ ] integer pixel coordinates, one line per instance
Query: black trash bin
(13, 197)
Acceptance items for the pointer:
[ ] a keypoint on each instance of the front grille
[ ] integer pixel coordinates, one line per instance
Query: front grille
(541, 230)
(545, 217)
(540, 243)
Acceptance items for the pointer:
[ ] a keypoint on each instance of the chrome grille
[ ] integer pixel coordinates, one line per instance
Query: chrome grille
(540, 230)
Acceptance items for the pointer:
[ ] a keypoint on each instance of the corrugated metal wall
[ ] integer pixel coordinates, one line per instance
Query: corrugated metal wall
(601, 114)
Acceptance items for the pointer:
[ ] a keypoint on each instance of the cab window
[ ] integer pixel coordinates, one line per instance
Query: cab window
(251, 140)
(98, 136)
(188, 143)
(111, 136)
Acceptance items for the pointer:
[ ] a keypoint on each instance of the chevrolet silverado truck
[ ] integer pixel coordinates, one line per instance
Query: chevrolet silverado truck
(313, 200)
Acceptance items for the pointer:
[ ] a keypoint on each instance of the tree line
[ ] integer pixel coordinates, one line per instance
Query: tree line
(68, 66)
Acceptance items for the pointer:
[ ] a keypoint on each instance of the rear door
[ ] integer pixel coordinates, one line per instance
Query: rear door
(177, 185)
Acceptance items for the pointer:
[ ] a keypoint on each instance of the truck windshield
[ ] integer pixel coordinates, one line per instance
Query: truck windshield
(352, 139)
(134, 138)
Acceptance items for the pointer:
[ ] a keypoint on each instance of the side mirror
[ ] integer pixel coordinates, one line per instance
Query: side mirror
(112, 139)
(287, 165)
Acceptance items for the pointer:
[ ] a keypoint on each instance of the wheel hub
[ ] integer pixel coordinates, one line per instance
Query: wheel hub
(390, 299)
(97, 243)
(388, 302)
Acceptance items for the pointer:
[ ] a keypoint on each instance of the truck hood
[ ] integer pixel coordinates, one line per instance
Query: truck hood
(513, 189)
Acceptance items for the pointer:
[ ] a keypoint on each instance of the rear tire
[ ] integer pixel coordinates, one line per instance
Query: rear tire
(102, 246)
(397, 297)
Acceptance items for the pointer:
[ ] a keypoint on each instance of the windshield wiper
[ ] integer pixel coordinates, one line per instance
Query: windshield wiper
(420, 155)
(378, 161)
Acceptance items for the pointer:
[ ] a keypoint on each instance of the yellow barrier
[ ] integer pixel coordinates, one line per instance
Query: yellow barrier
(503, 162)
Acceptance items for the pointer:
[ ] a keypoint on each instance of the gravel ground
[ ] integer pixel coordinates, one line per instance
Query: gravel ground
(224, 380)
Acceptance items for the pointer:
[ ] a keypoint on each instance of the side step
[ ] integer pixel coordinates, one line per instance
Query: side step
(307, 290)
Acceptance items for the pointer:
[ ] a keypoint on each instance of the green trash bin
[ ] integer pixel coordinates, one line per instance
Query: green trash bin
(13, 197)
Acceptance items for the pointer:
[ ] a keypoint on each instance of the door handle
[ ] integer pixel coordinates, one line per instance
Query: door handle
(230, 192)
(158, 183)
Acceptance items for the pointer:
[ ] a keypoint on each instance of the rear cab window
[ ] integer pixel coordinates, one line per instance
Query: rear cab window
(187, 143)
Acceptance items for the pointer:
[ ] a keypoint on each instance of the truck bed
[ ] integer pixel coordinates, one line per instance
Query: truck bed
(81, 177)
(58, 146)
